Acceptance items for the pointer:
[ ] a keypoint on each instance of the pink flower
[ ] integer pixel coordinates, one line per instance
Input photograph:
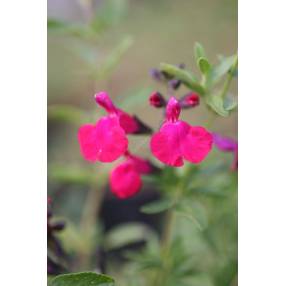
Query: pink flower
(177, 140)
(125, 179)
(227, 144)
(104, 141)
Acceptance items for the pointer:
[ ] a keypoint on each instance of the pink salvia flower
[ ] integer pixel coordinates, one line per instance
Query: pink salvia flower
(125, 179)
(177, 140)
(227, 144)
(106, 140)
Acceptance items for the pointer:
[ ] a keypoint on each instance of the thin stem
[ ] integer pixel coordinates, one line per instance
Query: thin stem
(165, 249)
(89, 221)
(166, 241)
(229, 78)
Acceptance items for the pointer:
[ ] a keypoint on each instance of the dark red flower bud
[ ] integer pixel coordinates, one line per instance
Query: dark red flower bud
(156, 99)
(190, 100)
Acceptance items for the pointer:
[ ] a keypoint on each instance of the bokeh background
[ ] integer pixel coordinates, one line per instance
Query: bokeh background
(139, 35)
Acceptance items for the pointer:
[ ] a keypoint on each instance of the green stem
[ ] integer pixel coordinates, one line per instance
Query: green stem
(161, 275)
(166, 241)
(229, 78)
(89, 222)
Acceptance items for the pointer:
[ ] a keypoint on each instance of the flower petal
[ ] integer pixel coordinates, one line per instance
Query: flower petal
(141, 165)
(165, 144)
(106, 141)
(224, 143)
(197, 144)
(127, 122)
(125, 181)
(87, 142)
(110, 138)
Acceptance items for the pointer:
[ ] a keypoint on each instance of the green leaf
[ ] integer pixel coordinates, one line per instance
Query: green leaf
(71, 175)
(193, 211)
(66, 113)
(56, 24)
(222, 68)
(217, 105)
(82, 279)
(204, 65)
(126, 233)
(186, 77)
(157, 206)
(199, 51)
(230, 102)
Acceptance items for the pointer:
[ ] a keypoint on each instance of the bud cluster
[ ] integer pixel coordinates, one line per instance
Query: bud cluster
(156, 99)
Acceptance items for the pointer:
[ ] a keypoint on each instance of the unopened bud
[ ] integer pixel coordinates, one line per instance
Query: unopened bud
(156, 99)
(190, 100)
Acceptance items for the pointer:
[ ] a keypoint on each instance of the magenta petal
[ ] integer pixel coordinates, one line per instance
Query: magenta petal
(125, 181)
(224, 143)
(106, 141)
(197, 144)
(87, 142)
(111, 141)
(141, 165)
(127, 122)
(165, 144)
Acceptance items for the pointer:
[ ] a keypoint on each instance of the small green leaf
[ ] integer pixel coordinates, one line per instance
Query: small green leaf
(193, 211)
(204, 65)
(54, 24)
(82, 279)
(230, 102)
(186, 77)
(199, 51)
(71, 175)
(222, 68)
(157, 206)
(125, 234)
(217, 105)
(66, 113)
